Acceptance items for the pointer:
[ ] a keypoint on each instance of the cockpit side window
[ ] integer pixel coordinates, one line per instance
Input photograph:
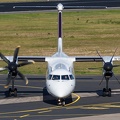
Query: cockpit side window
(49, 77)
(71, 77)
(65, 77)
(56, 77)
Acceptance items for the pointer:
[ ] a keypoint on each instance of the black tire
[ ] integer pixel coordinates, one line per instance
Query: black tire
(104, 92)
(15, 92)
(109, 93)
(10, 92)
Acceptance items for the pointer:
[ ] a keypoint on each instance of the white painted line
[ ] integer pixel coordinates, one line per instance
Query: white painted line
(21, 100)
(93, 94)
(115, 90)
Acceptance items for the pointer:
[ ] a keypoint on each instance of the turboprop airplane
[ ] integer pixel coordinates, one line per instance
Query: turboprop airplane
(60, 77)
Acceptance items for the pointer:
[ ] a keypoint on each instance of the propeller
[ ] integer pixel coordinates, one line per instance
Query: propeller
(13, 67)
(108, 67)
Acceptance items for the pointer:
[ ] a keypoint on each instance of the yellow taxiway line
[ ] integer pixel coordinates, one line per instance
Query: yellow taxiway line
(78, 98)
(34, 87)
(48, 109)
(24, 116)
(41, 110)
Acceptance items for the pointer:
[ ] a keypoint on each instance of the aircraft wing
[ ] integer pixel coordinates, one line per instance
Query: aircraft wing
(26, 58)
(74, 58)
(88, 59)
(95, 58)
(34, 58)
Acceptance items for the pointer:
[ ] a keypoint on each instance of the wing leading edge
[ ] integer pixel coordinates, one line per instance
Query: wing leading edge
(34, 58)
(74, 58)
(95, 58)
(88, 59)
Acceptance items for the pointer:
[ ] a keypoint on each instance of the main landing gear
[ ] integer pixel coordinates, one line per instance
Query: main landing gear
(61, 102)
(107, 91)
(12, 91)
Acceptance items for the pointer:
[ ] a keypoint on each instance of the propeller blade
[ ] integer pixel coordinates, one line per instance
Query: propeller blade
(25, 63)
(4, 58)
(116, 78)
(23, 77)
(113, 55)
(16, 54)
(101, 80)
(100, 56)
(8, 80)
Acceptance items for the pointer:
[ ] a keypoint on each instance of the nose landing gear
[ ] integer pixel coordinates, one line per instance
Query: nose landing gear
(12, 91)
(61, 102)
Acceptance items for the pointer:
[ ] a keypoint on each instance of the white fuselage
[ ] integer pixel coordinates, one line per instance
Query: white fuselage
(60, 79)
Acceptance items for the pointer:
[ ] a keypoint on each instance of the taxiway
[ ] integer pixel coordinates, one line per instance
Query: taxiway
(34, 102)
(8, 7)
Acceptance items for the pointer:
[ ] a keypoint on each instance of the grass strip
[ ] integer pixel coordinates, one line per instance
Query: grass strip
(84, 32)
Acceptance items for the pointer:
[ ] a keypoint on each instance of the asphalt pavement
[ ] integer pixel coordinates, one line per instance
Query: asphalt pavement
(8, 7)
(33, 101)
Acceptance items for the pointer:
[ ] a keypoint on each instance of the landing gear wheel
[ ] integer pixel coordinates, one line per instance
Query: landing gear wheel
(15, 92)
(106, 92)
(12, 92)
(109, 92)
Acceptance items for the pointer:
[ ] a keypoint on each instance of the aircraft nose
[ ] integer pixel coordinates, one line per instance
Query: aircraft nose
(61, 93)
(60, 89)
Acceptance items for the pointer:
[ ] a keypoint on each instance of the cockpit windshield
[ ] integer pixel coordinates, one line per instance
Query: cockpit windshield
(71, 77)
(56, 77)
(62, 77)
(49, 77)
(65, 77)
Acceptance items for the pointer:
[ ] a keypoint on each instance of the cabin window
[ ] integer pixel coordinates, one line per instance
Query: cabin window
(56, 77)
(71, 77)
(65, 77)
